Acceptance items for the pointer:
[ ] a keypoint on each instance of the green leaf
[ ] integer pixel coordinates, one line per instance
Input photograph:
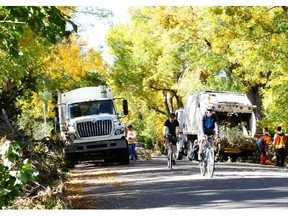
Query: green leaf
(4, 192)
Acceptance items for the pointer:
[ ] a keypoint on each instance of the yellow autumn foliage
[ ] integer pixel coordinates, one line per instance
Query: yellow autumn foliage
(68, 61)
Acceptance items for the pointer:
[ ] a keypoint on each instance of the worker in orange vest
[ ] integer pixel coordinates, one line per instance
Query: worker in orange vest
(262, 144)
(279, 144)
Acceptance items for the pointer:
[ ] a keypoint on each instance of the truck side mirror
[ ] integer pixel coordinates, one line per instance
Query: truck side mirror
(125, 106)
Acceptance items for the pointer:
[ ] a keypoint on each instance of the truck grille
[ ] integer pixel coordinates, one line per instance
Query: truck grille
(98, 128)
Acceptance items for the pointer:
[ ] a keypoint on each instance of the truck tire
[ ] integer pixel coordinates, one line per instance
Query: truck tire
(109, 161)
(193, 148)
(179, 155)
(190, 150)
(123, 157)
(70, 160)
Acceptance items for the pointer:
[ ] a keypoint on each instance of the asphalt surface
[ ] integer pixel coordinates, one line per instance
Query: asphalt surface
(150, 185)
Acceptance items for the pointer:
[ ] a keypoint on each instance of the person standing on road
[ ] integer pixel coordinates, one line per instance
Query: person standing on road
(132, 139)
(279, 144)
(171, 126)
(262, 145)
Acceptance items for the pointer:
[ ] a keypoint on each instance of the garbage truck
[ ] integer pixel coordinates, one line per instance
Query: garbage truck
(90, 125)
(233, 109)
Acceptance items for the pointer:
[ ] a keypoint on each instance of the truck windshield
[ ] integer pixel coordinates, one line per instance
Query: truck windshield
(91, 108)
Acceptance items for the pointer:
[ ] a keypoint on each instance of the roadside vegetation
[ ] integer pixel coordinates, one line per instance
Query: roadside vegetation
(159, 57)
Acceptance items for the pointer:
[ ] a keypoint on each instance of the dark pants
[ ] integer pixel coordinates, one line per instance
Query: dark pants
(261, 147)
(280, 157)
(132, 152)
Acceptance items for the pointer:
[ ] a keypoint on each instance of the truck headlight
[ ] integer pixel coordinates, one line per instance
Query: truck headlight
(72, 137)
(119, 131)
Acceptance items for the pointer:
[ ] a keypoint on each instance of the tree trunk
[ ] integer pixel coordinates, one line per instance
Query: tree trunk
(256, 99)
(166, 102)
(171, 107)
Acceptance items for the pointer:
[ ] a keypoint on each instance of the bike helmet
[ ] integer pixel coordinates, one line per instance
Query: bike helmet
(172, 115)
(210, 107)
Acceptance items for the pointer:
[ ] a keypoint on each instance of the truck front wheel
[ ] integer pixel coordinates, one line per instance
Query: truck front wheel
(70, 160)
(123, 156)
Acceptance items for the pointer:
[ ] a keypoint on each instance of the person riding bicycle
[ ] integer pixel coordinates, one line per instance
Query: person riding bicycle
(208, 126)
(171, 126)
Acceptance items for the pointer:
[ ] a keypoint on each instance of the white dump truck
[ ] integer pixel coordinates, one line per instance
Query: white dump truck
(90, 126)
(232, 109)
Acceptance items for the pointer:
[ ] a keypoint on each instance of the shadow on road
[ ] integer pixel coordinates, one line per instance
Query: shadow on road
(150, 185)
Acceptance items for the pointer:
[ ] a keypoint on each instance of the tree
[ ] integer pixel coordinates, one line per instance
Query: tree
(47, 22)
(170, 52)
(36, 51)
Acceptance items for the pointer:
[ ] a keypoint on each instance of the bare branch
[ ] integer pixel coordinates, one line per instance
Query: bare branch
(157, 110)
(11, 22)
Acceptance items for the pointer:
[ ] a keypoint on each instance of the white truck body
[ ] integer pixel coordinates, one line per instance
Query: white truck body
(230, 107)
(90, 125)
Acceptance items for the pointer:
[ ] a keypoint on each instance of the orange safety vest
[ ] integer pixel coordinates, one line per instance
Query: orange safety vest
(266, 138)
(280, 141)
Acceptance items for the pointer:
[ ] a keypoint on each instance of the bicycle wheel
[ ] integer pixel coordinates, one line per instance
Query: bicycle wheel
(203, 166)
(169, 157)
(210, 162)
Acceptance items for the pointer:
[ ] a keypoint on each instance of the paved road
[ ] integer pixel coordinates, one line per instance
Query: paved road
(150, 185)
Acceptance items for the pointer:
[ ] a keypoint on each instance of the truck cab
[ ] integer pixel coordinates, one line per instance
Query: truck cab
(90, 126)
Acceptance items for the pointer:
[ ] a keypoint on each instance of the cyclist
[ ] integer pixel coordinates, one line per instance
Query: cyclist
(171, 126)
(208, 126)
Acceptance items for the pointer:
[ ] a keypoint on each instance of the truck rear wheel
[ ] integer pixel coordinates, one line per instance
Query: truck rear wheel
(192, 152)
(189, 150)
(123, 156)
(179, 155)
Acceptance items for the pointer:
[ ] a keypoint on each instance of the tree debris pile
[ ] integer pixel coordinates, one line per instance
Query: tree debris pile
(32, 174)
(233, 137)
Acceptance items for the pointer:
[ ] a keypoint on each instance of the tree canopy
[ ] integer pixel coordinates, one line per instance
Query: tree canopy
(161, 55)
(165, 53)
(38, 54)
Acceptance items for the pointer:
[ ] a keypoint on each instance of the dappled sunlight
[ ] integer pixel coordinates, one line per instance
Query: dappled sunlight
(150, 185)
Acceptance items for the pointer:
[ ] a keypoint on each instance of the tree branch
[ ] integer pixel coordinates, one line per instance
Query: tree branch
(157, 110)
(11, 22)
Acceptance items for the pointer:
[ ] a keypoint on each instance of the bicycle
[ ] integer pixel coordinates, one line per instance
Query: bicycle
(208, 161)
(169, 152)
